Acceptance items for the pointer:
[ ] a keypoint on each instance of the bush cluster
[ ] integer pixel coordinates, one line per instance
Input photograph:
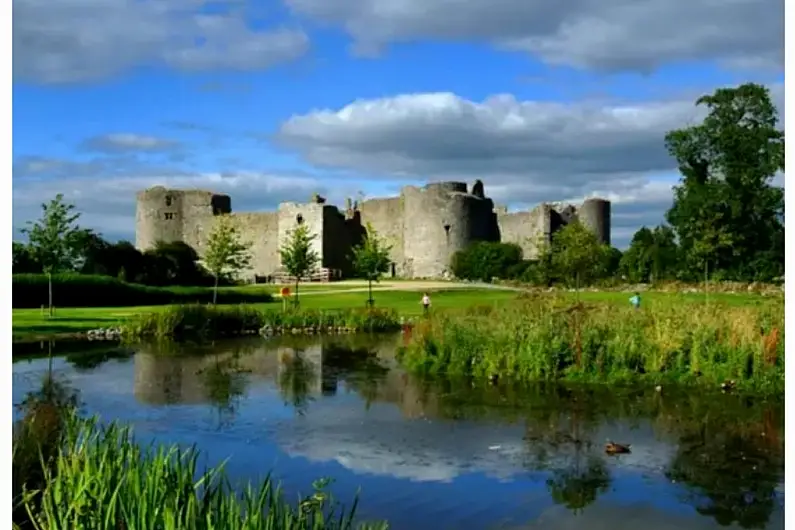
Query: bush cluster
(207, 321)
(81, 290)
(544, 338)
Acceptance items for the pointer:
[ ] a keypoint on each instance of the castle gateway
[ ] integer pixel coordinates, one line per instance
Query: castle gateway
(424, 226)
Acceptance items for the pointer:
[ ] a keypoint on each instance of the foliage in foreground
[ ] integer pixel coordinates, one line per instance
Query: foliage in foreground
(543, 338)
(101, 479)
(207, 322)
(81, 290)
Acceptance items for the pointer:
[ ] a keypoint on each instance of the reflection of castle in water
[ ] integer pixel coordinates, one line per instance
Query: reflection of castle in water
(162, 379)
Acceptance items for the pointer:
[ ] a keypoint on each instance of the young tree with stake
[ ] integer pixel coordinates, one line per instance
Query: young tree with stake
(54, 240)
(226, 253)
(371, 260)
(297, 255)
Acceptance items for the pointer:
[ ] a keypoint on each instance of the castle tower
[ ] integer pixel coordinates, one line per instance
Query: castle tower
(595, 215)
(175, 215)
(439, 220)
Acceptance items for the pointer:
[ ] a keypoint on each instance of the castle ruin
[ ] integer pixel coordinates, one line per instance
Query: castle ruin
(425, 225)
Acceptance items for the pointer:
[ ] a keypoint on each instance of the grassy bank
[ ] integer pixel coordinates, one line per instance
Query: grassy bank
(31, 324)
(544, 338)
(100, 478)
(80, 290)
(211, 322)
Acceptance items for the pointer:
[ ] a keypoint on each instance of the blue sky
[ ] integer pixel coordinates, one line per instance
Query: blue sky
(272, 101)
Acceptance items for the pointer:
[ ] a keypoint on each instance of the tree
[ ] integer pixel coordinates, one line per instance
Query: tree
(726, 212)
(577, 255)
(174, 263)
(371, 260)
(297, 255)
(226, 253)
(54, 239)
(652, 255)
(22, 260)
(485, 260)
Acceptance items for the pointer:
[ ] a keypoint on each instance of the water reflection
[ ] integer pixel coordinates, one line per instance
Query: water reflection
(477, 456)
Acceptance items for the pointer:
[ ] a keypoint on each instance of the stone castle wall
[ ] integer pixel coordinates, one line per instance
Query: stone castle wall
(424, 226)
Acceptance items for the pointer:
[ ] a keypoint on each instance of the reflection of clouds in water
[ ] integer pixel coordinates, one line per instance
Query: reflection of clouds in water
(380, 442)
(608, 516)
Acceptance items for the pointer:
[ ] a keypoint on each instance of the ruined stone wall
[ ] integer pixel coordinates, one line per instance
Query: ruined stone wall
(386, 216)
(526, 229)
(261, 230)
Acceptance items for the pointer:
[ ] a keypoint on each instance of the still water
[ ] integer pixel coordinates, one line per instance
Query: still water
(440, 455)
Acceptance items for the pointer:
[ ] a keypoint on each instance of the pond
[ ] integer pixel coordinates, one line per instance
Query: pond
(439, 454)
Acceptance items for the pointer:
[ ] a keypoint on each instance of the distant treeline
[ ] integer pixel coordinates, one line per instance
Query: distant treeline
(88, 290)
(166, 264)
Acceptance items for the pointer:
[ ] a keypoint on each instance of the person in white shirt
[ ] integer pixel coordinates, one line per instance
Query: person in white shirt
(426, 303)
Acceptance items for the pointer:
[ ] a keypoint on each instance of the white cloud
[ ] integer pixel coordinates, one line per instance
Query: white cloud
(85, 40)
(609, 35)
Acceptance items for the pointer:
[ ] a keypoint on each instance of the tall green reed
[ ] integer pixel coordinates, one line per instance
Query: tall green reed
(101, 479)
(208, 321)
(545, 338)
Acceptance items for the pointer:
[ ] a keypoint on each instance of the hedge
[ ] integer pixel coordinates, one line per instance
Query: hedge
(79, 290)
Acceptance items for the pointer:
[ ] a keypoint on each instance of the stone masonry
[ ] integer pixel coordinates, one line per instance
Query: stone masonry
(424, 226)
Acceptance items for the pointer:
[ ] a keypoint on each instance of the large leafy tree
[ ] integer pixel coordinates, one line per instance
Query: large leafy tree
(652, 255)
(227, 254)
(726, 212)
(297, 255)
(371, 260)
(54, 240)
(577, 256)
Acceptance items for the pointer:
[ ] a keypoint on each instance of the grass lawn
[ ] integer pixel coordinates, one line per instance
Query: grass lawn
(32, 324)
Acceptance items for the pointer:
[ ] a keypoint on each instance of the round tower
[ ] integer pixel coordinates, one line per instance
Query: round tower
(157, 217)
(175, 215)
(595, 214)
(437, 223)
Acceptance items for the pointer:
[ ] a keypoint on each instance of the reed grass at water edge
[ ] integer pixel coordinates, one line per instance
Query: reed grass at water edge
(100, 478)
(548, 338)
(208, 322)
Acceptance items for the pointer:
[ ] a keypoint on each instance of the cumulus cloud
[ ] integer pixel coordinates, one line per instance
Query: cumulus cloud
(525, 151)
(608, 35)
(85, 40)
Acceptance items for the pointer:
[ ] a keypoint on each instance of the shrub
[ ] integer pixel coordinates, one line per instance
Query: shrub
(78, 290)
(486, 260)
(206, 321)
(543, 338)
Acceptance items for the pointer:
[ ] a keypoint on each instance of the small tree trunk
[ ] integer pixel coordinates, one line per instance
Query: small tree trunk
(577, 285)
(215, 290)
(370, 292)
(297, 281)
(49, 293)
